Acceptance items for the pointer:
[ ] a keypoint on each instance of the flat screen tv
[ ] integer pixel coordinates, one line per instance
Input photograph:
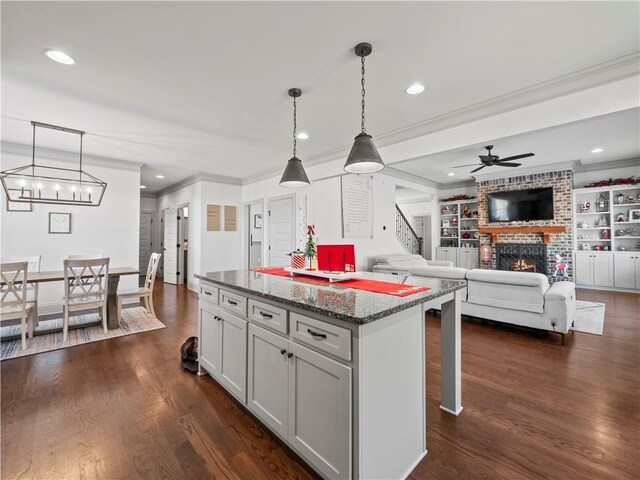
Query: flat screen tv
(521, 205)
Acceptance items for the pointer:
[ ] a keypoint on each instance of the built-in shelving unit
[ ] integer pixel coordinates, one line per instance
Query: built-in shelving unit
(458, 225)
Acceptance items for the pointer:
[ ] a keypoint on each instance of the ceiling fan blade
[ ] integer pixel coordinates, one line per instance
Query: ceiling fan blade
(470, 165)
(500, 164)
(516, 157)
(479, 168)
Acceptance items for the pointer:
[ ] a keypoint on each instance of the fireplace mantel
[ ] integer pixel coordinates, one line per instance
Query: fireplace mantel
(544, 230)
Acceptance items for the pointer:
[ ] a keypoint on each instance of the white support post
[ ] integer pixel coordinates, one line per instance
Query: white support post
(451, 356)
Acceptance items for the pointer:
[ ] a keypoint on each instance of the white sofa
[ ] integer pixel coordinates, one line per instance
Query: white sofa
(518, 298)
(401, 264)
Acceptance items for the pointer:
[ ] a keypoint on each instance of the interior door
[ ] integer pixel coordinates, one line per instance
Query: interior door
(171, 245)
(146, 241)
(281, 231)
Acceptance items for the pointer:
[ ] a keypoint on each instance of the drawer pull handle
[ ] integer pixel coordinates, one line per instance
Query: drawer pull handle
(283, 351)
(207, 293)
(217, 317)
(266, 315)
(232, 302)
(316, 334)
(289, 355)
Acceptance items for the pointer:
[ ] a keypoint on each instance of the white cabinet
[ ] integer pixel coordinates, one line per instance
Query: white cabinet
(305, 397)
(467, 258)
(626, 267)
(594, 269)
(223, 348)
(447, 254)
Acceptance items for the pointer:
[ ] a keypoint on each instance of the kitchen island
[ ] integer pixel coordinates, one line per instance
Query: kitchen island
(338, 374)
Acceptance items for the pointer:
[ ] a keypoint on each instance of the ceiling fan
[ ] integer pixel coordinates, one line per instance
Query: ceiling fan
(490, 160)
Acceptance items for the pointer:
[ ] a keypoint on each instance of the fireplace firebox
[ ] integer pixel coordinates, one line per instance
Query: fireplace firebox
(522, 257)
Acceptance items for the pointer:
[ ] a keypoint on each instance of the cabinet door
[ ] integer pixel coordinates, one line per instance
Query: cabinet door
(467, 258)
(233, 355)
(451, 255)
(268, 378)
(637, 272)
(209, 342)
(583, 268)
(602, 270)
(441, 254)
(320, 411)
(624, 268)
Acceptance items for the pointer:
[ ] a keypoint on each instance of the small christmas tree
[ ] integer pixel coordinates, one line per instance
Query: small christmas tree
(310, 248)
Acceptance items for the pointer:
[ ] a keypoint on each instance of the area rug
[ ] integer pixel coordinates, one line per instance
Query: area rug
(589, 317)
(134, 320)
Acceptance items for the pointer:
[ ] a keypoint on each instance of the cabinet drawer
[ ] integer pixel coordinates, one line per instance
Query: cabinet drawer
(233, 302)
(268, 315)
(323, 336)
(209, 294)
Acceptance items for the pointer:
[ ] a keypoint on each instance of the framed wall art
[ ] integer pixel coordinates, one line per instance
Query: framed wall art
(19, 206)
(59, 222)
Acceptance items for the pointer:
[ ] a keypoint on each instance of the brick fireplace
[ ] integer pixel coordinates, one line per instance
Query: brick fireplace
(558, 243)
(521, 257)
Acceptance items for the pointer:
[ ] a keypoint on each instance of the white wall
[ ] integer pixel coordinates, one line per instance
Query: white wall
(580, 179)
(208, 251)
(111, 229)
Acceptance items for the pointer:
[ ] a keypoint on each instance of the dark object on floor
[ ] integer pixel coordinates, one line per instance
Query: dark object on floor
(189, 354)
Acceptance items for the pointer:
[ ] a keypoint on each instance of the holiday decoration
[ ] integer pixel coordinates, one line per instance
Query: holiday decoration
(605, 235)
(297, 259)
(602, 204)
(620, 199)
(454, 198)
(585, 206)
(613, 181)
(561, 266)
(310, 248)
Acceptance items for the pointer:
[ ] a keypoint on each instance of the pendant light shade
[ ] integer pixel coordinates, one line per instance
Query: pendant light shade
(364, 156)
(294, 175)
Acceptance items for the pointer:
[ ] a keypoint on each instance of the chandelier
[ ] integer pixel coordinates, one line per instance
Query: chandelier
(53, 185)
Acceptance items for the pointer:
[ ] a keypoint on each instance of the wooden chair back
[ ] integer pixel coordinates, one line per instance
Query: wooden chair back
(13, 283)
(33, 266)
(86, 279)
(88, 256)
(150, 279)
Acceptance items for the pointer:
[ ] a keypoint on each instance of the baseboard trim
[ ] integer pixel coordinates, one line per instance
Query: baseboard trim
(609, 289)
(414, 465)
(451, 411)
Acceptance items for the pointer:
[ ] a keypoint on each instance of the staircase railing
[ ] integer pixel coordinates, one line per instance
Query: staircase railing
(406, 234)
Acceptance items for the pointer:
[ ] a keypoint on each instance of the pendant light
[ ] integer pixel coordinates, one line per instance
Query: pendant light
(294, 174)
(364, 156)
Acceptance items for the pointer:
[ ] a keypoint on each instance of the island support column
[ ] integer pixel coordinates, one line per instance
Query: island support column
(451, 356)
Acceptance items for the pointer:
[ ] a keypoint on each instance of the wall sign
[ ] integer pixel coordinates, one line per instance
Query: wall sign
(213, 218)
(357, 206)
(230, 218)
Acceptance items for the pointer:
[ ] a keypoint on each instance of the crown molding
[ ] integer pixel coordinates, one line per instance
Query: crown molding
(22, 150)
(199, 177)
(399, 174)
(460, 184)
(592, 167)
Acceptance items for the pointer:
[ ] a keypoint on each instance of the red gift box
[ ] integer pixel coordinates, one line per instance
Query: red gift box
(336, 258)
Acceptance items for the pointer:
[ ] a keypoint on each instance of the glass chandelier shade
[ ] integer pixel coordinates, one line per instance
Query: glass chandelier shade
(364, 156)
(294, 175)
(52, 185)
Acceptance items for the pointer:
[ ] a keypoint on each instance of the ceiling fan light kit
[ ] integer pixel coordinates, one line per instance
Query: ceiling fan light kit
(35, 183)
(294, 175)
(364, 156)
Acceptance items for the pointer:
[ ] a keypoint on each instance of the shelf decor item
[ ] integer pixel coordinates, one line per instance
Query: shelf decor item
(620, 199)
(584, 207)
(605, 235)
(634, 215)
(310, 250)
(35, 183)
(364, 156)
(603, 222)
(614, 181)
(602, 204)
(620, 218)
(294, 174)
(461, 196)
(445, 223)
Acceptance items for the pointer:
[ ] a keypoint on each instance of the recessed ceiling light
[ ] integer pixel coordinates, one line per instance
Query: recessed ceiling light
(159, 176)
(596, 150)
(59, 56)
(142, 187)
(415, 89)
(302, 136)
(451, 174)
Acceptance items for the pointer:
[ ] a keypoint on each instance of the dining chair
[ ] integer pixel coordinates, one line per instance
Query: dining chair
(85, 287)
(88, 256)
(33, 266)
(145, 293)
(13, 303)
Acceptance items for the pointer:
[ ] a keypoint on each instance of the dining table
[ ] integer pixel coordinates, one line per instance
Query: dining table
(115, 273)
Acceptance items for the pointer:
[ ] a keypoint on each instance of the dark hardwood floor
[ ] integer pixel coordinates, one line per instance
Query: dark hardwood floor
(124, 408)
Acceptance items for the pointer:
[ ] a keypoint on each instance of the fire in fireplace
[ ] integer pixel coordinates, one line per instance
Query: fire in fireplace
(522, 257)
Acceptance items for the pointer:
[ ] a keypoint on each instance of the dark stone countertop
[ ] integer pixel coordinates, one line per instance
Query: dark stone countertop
(331, 300)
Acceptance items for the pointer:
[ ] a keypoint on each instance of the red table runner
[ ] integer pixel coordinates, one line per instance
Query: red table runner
(388, 288)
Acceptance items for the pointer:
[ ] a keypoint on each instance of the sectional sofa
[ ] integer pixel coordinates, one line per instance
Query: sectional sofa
(401, 264)
(518, 298)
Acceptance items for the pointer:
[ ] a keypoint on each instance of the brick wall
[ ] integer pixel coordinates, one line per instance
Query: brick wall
(562, 183)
